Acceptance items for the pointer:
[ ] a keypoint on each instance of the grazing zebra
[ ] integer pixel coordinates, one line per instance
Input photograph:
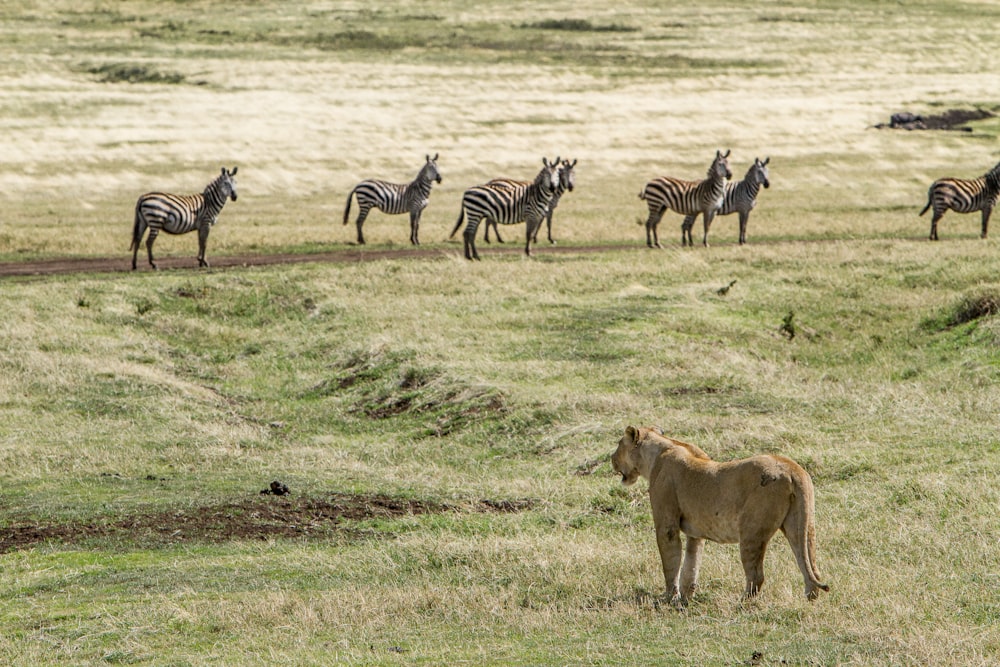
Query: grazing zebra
(567, 180)
(180, 214)
(964, 196)
(395, 198)
(508, 206)
(686, 197)
(740, 198)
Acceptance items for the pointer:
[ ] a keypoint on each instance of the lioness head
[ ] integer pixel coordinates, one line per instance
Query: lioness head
(625, 460)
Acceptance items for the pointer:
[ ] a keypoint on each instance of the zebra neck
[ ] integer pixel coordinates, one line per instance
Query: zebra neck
(422, 185)
(535, 192)
(214, 201)
(750, 187)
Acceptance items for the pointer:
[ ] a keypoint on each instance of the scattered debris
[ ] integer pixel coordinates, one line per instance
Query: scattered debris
(787, 327)
(277, 489)
(723, 291)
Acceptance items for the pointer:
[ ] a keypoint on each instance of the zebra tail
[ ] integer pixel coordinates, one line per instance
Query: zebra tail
(461, 217)
(347, 209)
(929, 200)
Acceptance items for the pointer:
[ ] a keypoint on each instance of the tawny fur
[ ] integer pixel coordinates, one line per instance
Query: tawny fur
(745, 501)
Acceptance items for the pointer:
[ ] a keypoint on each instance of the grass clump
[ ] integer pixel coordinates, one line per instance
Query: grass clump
(969, 308)
(577, 25)
(132, 73)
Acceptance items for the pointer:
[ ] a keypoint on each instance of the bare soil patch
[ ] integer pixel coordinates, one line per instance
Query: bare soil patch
(259, 518)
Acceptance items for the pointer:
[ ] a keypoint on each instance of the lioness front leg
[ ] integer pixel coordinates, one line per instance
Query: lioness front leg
(689, 572)
(668, 539)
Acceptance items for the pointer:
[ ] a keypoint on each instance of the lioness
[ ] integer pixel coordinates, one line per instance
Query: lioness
(743, 501)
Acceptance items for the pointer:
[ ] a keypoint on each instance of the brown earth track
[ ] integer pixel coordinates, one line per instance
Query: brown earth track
(349, 255)
(254, 518)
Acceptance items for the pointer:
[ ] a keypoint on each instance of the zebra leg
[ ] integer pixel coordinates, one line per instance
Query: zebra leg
(934, 223)
(686, 229)
(414, 227)
(140, 229)
(153, 232)
(548, 227)
(469, 236)
(362, 214)
(202, 243)
(706, 218)
(655, 215)
(986, 221)
(531, 230)
(744, 217)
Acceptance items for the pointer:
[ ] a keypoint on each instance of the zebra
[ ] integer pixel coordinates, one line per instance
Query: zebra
(395, 198)
(508, 206)
(740, 198)
(686, 197)
(567, 180)
(180, 214)
(964, 196)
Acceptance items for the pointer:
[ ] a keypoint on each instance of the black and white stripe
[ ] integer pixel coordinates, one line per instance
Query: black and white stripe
(740, 197)
(180, 214)
(567, 181)
(395, 198)
(686, 197)
(508, 205)
(964, 196)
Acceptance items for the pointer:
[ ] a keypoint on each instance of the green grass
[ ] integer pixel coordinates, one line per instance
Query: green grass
(445, 426)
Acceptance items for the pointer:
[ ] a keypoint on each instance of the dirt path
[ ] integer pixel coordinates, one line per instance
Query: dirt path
(346, 255)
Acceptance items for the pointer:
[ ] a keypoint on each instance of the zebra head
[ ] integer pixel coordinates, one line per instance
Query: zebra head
(758, 172)
(548, 177)
(225, 184)
(720, 166)
(567, 177)
(430, 172)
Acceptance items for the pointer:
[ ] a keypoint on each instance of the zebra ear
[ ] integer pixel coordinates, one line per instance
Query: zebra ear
(766, 160)
(574, 163)
(435, 157)
(727, 153)
(233, 172)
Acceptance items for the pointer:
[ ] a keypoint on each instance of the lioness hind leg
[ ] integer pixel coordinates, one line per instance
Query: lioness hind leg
(752, 555)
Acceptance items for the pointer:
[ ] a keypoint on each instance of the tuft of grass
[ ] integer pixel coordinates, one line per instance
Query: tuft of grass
(577, 25)
(133, 73)
(969, 308)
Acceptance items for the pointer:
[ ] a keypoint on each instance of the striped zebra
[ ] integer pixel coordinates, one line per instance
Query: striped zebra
(964, 196)
(508, 206)
(567, 180)
(686, 197)
(395, 198)
(180, 214)
(740, 198)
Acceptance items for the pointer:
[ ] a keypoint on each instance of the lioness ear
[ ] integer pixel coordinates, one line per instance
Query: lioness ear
(631, 433)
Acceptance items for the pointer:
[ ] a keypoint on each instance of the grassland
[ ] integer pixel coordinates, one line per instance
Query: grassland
(445, 426)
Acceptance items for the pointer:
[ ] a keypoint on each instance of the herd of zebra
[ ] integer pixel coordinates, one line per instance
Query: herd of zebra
(504, 201)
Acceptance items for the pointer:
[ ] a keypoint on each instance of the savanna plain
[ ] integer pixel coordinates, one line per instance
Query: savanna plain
(444, 426)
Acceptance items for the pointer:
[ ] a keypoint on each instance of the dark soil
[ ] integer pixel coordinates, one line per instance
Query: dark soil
(261, 517)
(345, 255)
